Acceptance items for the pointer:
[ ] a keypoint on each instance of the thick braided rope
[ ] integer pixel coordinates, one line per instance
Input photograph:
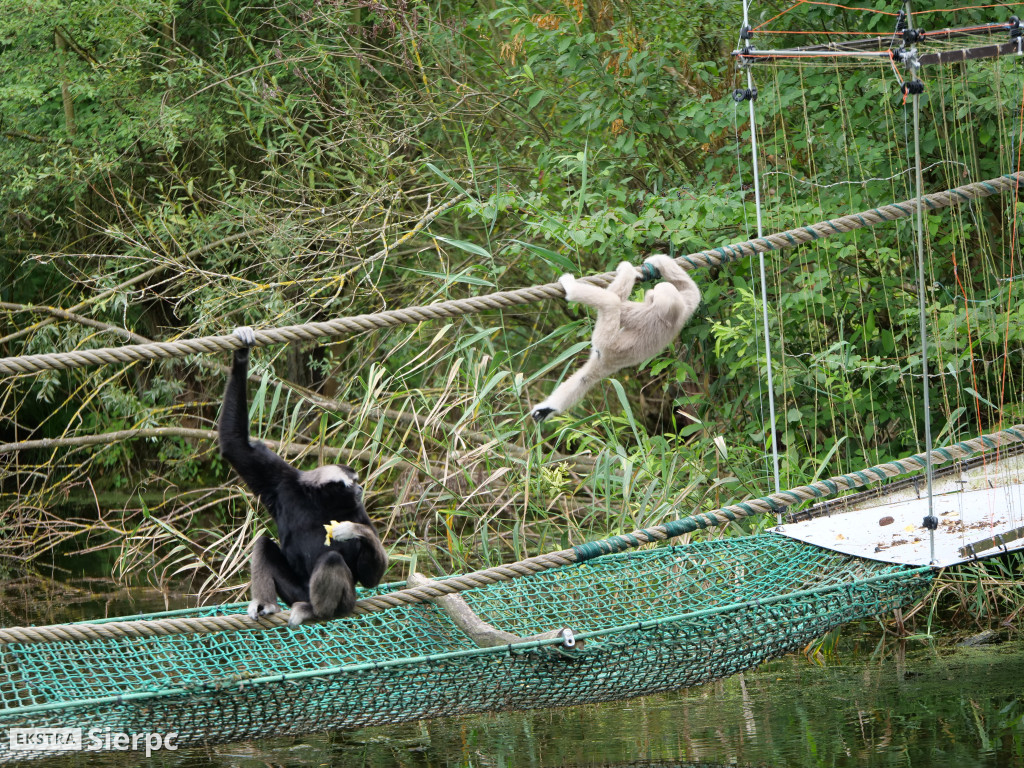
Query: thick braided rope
(501, 299)
(206, 624)
(579, 554)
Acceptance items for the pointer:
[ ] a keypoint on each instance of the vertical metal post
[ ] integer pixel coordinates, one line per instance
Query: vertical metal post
(764, 279)
(922, 309)
(921, 303)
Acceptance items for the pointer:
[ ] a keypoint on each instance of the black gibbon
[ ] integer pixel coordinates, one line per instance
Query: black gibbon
(316, 578)
(626, 332)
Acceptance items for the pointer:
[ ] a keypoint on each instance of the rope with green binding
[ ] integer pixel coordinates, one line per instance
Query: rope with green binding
(368, 322)
(532, 565)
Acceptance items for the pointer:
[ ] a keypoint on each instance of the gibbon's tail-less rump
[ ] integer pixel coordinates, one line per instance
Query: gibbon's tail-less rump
(316, 578)
(626, 333)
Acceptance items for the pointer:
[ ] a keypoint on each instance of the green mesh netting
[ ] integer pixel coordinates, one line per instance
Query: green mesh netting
(652, 621)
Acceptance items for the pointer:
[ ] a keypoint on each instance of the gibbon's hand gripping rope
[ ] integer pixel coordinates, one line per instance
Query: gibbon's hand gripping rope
(529, 566)
(359, 323)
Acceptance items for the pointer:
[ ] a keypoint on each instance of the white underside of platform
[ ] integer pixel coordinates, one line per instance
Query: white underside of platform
(893, 532)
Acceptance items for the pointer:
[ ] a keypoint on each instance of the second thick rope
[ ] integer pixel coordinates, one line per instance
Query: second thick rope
(579, 554)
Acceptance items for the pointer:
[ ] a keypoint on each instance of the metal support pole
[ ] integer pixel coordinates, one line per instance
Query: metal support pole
(922, 309)
(930, 521)
(764, 279)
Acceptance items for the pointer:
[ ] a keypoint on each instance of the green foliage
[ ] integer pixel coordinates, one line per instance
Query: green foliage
(176, 169)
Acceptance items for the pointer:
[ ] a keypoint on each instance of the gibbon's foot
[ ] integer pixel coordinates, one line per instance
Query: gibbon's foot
(245, 334)
(541, 412)
(257, 609)
(301, 613)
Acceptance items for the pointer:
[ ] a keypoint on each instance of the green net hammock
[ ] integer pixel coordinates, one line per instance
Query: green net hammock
(654, 620)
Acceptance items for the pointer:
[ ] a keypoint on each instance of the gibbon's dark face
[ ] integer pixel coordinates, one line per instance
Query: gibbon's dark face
(335, 485)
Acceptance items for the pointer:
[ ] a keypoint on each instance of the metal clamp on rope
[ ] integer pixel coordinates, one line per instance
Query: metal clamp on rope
(1016, 34)
(568, 638)
(912, 87)
(931, 522)
(744, 94)
(911, 36)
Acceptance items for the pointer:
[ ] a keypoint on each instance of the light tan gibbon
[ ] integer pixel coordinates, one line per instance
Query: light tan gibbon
(626, 332)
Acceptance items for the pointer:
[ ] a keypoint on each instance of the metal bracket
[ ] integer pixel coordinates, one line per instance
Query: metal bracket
(992, 542)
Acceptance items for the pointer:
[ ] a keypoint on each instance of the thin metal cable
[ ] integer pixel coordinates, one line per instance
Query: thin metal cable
(923, 318)
(746, 232)
(921, 303)
(764, 278)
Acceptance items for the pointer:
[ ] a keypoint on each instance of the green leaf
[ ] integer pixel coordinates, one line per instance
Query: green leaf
(491, 383)
(552, 257)
(951, 421)
(970, 391)
(828, 458)
(448, 279)
(583, 182)
(450, 180)
(627, 408)
(464, 246)
(566, 354)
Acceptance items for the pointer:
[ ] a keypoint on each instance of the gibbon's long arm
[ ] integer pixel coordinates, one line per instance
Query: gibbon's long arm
(258, 466)
(626, 332)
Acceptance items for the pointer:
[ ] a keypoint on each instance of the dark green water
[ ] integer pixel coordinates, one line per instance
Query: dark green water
(871, 704)
(963, 708)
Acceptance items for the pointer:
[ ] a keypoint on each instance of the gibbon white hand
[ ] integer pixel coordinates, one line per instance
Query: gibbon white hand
(245, 334)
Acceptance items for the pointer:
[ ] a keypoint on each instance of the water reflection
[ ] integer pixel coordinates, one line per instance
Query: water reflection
(960, 707)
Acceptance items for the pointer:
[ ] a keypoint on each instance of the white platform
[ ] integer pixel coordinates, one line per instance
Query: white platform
(973, 507)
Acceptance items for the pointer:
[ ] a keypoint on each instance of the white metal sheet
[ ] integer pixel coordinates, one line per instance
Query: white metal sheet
(893, 531)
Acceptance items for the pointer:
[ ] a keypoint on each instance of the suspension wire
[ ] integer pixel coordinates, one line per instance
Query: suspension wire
(764, 279)
(746, 232)
(930, 521)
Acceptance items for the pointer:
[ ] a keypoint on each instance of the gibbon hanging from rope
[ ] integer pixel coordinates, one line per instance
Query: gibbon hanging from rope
(626, 332)
(315, 577)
